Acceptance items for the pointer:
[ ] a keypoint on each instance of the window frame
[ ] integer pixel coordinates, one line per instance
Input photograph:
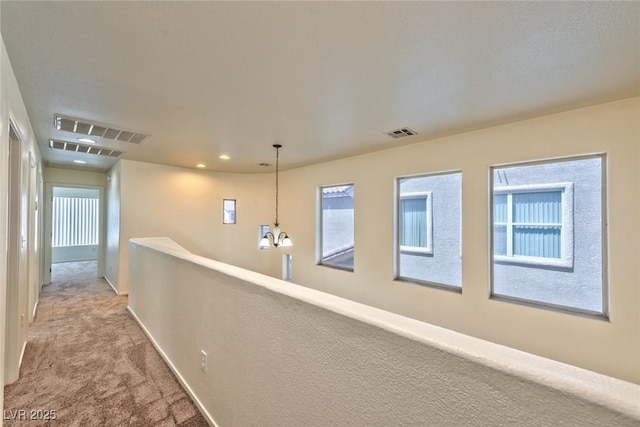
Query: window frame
(603, 241)
(320, 223)
(566, 230)
(398, 249)
(427, 195)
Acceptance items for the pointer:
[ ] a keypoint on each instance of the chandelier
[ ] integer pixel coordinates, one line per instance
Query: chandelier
(277, 237)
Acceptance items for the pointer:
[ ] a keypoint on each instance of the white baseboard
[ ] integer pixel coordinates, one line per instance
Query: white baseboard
(125, 293)
(182, 381)
(111, 284)
(35, 308)
(24, 347)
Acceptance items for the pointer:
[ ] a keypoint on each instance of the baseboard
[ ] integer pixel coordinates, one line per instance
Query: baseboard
(35, 308)
(125, 293)
(115, 291)
(24, 347)
(175, 371)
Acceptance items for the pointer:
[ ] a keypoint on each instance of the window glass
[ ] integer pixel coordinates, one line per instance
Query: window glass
(75, 221)
(428, 248)
(548, 233)
(262, 232)
(336, 226)
(413, 221)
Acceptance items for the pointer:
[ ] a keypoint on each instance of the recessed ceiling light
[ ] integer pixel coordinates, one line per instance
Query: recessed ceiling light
(87, 140)
(80, 162)
(224, 157)
(201, 165)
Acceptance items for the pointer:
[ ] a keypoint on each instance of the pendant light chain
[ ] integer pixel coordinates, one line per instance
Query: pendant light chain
(277, 163)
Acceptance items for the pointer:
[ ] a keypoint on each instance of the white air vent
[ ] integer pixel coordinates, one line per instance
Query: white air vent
(401, 133)
(85, 127)
(82, 148)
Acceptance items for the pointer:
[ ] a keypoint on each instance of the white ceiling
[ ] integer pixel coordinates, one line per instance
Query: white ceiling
(324, 79)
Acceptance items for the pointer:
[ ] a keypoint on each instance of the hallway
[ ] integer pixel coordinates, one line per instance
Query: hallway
(87, 363)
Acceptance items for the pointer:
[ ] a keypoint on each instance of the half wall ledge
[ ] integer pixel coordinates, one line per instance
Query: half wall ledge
(280, 354)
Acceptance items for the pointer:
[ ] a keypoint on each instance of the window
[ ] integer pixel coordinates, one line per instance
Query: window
(75, 221)
(548, 234)
(428, 240)
(228, 211)
(533, 224)
(262, 231)
(415, 222)
(336, 236)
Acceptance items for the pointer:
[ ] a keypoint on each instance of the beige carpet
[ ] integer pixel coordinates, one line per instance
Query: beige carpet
(87, 360)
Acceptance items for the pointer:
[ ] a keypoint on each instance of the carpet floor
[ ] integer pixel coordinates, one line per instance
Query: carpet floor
(88, 363)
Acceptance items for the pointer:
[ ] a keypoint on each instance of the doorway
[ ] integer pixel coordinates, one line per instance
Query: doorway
(16, 323)
(74, 249)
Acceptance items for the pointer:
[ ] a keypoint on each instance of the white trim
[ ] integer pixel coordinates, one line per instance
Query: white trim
(207, 416)
(115, 291)
(47, 225)
(35, 308)
(566, 259)
(427, 195)
(24, 348)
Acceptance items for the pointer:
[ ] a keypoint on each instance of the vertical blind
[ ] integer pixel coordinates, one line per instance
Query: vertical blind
(535, 226)
(500, 219)
(413, 222)
(75, 221)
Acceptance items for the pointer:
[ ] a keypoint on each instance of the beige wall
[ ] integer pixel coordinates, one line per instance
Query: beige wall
(279, 354)
(24, 299)
(610, 347)
(186, 205)
(74, 177)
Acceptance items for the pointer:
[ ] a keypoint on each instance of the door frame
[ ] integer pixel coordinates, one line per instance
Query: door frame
(48, 225)
(16, 323)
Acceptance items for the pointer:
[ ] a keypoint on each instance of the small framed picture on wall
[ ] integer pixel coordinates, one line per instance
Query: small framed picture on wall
(229, 211)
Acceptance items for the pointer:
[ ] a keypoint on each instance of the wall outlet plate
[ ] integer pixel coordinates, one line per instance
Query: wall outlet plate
(203, 360)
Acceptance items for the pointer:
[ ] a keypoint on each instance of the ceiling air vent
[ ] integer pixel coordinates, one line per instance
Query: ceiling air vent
(82, 148)
(401, 133)
(86, 127)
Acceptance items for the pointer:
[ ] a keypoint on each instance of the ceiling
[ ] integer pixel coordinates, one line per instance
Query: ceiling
(324, 79)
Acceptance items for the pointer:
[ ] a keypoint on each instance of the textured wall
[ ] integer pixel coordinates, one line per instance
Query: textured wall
(609, 347)
(186, 205)
(283, 355)
(74, 253)
(581, 284)
(444, 265)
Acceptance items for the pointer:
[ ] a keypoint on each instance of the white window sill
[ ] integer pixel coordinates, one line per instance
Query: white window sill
(417, 250)
(534, 261)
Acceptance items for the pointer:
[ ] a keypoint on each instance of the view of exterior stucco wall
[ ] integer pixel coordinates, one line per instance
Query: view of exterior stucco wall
(579, 285)
(444, 264)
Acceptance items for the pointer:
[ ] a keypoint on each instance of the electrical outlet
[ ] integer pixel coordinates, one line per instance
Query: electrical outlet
(203, 360)
(22, 320)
